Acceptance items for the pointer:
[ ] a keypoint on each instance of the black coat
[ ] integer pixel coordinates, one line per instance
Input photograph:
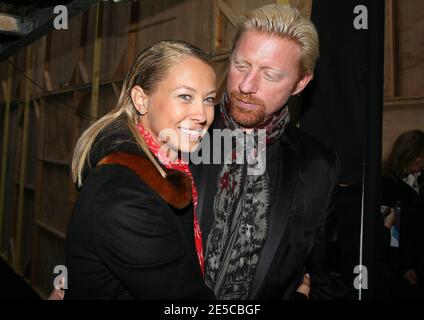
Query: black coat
(299, 219)
(131, 233)
(410, 254)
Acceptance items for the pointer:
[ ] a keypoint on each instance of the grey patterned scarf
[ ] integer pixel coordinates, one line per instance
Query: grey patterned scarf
(241, 209)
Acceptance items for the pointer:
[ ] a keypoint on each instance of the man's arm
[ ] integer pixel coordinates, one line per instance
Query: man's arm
(325, 283)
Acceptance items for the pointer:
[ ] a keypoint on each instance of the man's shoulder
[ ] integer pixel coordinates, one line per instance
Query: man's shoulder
(309, 145)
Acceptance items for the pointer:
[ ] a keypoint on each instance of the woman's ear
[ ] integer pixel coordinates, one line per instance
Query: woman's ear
(139, 99)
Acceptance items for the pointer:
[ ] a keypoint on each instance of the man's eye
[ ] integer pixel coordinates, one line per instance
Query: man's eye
(185, 97)
(270, 77)
(241, 67)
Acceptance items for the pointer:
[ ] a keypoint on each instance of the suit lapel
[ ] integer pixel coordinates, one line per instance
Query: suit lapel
(279, 212)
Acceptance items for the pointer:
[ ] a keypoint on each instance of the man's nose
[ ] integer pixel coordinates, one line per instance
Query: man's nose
(250, 82)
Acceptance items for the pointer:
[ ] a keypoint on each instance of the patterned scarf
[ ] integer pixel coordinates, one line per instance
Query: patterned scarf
(183, 167)
(241, 210)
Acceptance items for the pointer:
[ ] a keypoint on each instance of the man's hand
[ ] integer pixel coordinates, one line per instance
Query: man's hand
(410, 276)
(305, 287)
(56, 295)
(390, 219)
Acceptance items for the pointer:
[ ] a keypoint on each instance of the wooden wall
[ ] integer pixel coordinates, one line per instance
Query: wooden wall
(54, 97)
(404, 69)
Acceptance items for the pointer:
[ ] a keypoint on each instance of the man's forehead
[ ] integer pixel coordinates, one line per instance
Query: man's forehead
(264, 48)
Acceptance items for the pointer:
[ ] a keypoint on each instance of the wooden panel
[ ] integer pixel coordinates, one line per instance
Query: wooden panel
(59, 124)
(39, 184)
(97, 58)
(27, 229)
(11, 190)
(107, 99)
(15, 78)
(64, 53)
(390, 50)
(239, 7)
(305, 6)
(115, 38)
(39, 52)
(28, 198)
(220, 67)
(19, 70)
(55, 206)
(32, 148)
(50, 252)
(410, 47)
(84, 113)
(398, 119)
(3, 81)
(166, 19)
(5, 112)
(89, 38)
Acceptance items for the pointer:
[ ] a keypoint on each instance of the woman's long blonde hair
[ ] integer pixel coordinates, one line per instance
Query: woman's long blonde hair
(150, 67)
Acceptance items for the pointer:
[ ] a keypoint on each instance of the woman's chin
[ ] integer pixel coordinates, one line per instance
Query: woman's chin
(189, 147)
(184, 147)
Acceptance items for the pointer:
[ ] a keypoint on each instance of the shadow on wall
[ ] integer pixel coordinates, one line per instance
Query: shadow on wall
(13, 287)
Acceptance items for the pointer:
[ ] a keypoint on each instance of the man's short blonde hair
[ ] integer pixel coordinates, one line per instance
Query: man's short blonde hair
(286, 22)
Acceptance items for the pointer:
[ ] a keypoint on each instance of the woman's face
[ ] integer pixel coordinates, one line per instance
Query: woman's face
(417, 165)
(181, 108)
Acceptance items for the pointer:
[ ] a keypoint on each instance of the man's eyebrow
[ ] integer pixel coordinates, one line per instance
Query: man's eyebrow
(238, 59)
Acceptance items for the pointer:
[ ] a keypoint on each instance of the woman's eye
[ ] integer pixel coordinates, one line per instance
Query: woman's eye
(185, 97)
(211, 100)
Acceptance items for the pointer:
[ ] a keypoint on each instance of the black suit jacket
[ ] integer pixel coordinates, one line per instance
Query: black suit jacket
(299, 219)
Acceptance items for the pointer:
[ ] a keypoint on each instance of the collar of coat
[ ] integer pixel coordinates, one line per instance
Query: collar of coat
(175, 188)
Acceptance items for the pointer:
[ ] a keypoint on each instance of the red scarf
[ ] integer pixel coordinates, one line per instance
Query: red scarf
(183, 167)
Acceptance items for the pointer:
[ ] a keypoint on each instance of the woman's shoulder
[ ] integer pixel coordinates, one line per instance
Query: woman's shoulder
(104, 175)
(131, 172)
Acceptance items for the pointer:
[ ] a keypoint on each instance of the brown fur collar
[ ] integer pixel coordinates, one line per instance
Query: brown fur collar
(175, 189)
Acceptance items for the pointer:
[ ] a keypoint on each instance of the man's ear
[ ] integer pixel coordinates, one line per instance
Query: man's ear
(302, 83)
(139, 99)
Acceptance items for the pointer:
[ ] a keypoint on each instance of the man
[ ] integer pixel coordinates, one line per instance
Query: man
(263, 232)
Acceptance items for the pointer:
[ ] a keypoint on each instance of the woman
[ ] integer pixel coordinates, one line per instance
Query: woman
(134, 232)
(402, 171)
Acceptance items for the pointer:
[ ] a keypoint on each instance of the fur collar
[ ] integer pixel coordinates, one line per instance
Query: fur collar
(175, 188)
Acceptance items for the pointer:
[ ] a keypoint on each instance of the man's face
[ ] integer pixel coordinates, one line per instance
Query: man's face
(263, 73)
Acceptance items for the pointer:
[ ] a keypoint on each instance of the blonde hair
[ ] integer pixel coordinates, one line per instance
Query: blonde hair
(149, 68)
(286, 22)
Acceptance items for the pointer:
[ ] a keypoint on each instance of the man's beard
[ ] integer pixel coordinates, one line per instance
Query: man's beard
(247, 118)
